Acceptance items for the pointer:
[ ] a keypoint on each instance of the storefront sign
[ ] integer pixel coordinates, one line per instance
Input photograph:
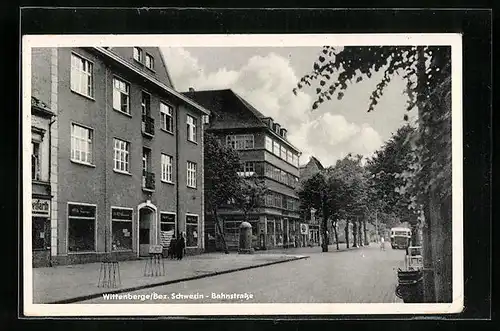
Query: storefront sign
(81, 210)
(304, 228)
(155, 249)
(169, 218)
(121, 214)
(40, 207)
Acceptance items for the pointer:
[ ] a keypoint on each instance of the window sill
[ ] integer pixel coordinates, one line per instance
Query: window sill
(129, 250)
(122, 112)
(122, 172)
(192, 187)
(166, 131)
(148, 189)
(83, 95)
(83, 163)
(193, 142)
(152, 70)
(167, 182)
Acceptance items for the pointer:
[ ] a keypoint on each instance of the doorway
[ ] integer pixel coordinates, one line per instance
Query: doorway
(146, 230)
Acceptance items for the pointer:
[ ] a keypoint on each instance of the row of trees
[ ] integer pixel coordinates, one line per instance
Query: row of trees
(412, 173)
(224, 185)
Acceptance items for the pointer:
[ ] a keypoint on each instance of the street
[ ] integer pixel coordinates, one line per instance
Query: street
(363, 275)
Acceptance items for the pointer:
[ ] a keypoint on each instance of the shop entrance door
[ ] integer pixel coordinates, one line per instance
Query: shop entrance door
(146, 223)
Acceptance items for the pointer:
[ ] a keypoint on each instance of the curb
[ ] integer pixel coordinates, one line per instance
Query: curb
(168, 282)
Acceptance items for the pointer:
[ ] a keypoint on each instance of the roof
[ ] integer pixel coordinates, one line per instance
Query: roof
(151, 79)
(231, 111)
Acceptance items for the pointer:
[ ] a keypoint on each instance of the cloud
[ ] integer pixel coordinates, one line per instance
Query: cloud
(267, 82)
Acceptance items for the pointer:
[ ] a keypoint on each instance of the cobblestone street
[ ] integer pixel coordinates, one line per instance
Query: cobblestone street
(364, 275)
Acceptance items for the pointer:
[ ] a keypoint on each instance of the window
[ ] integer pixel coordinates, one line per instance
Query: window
(121, 95)
(81, 227)
(150, 62)
(35, 160)
(82, 76)
(138, 54)
(289, 157)
(240, 141)
(121, 229)
(167, 228)
(269, 144)
(283, 153)
(166, 168)
(289, 204)
(206, 119)
(146, 104)
(122, 155)
(191, 128)
(276, 149)
(283, 176)
(166, 120)
(248, 169)
(270, 200)
(191, 231)
(81, 144)
(191, 174)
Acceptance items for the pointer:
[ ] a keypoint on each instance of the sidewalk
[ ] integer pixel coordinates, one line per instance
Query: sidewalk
(73, 283)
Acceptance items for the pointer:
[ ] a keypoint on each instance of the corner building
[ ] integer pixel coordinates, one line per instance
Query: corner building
(264, 151)
(127, 153)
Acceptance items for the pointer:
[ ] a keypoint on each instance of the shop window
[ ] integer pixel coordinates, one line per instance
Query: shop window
(38, 233)
(121, 229)
(81, 227)
(167, 228)
(192, 231)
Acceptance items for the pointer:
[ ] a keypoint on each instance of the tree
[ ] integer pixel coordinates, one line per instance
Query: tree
(388, 167)
(250, 195)
(427, 71)
(222, 182)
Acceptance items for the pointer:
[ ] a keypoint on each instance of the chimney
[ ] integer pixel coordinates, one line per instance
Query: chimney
(191, 89)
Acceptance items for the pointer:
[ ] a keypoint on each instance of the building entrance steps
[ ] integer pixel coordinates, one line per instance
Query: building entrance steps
(75, 283)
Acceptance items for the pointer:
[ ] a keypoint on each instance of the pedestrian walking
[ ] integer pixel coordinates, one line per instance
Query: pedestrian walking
(180, 245)
(382, 244)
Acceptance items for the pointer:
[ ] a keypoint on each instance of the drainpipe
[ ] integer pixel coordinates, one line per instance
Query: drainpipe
(50, 181)
(106, 223)
(177, 170)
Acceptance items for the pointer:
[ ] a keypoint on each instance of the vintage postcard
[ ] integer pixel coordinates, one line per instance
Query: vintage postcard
(179, 175)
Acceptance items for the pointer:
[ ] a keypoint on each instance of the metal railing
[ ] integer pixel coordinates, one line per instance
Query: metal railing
(148, 125)
(148, 180)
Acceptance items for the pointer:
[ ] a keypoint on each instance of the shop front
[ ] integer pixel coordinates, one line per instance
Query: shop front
(41, 232)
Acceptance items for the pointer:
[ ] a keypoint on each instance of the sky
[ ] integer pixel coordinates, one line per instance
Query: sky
(265, 77)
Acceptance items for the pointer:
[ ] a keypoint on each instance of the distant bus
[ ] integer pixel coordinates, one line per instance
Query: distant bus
(400, 237)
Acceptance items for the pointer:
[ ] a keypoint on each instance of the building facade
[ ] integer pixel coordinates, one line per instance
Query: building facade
(310, 218)
(265, 152)
(126, 166)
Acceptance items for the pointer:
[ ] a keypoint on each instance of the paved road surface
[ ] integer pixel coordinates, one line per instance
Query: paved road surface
(364, 275)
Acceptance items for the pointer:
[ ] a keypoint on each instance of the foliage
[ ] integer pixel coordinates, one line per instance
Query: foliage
(251, 194)
(221, 166)
(388, 168)
(427, 71)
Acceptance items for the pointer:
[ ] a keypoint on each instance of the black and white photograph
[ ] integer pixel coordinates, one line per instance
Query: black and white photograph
(242, 174)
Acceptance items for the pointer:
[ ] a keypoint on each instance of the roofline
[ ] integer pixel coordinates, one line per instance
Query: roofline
(162, 57)
(151, 79)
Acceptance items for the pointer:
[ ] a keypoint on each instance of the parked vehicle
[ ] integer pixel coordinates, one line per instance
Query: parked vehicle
(400, 237)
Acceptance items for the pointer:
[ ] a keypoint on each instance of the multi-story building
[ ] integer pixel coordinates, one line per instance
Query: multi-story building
(264, 151)
(310, 217)
(125, 163)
